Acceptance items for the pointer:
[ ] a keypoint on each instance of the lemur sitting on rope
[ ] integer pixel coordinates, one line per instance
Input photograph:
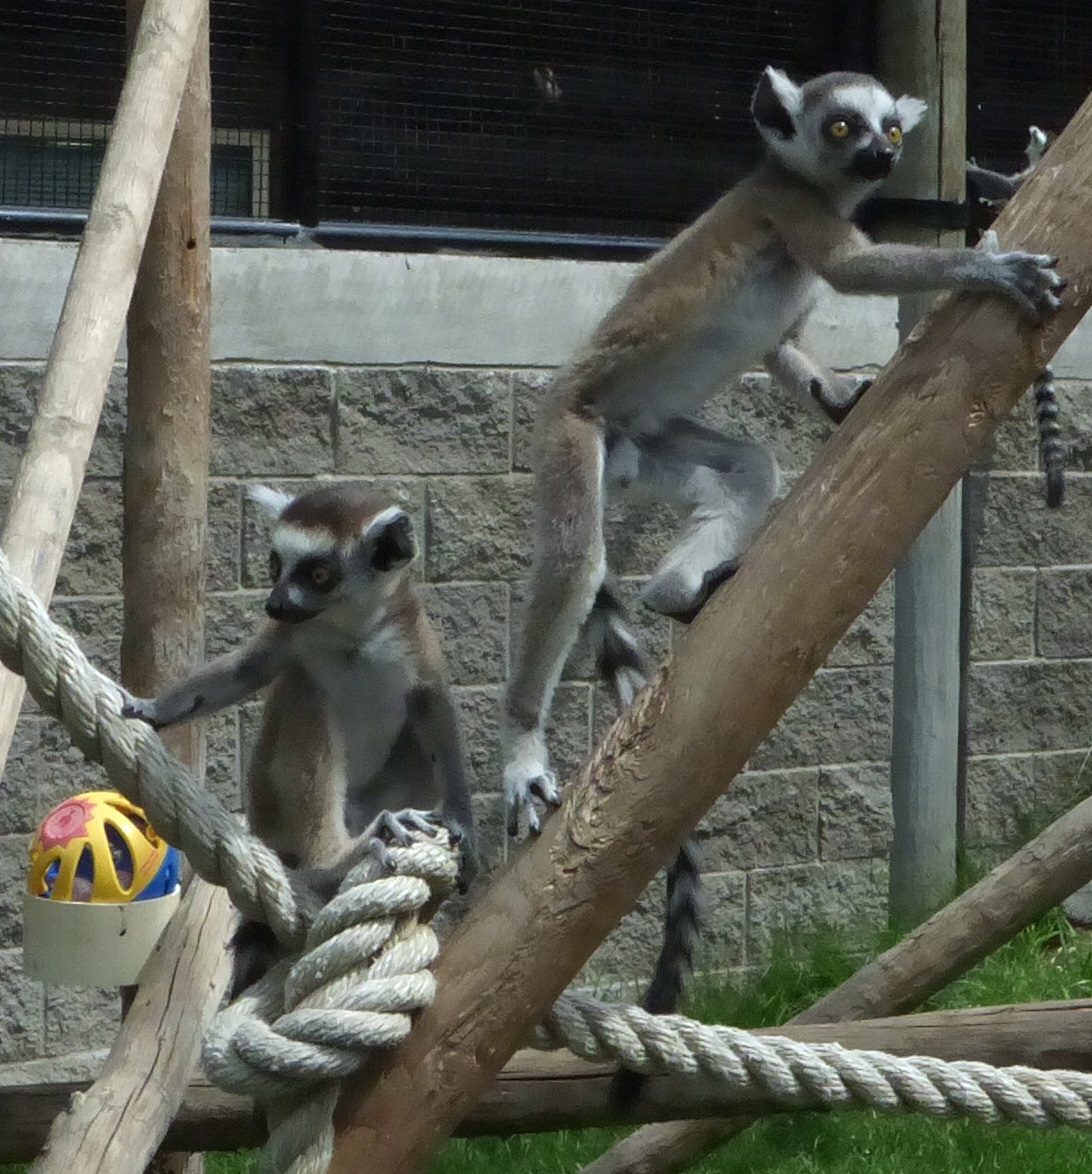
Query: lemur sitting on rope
(359, 721)
(993, 190)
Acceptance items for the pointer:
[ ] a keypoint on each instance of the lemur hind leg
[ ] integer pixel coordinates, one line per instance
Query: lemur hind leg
(568, 569)
(727, 484)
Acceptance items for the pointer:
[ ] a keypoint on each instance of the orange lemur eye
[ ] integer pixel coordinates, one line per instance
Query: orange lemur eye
(895, 135)
(321, 575)
(839, 129)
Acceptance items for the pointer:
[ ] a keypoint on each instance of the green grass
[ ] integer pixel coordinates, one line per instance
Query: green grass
(1047, 961)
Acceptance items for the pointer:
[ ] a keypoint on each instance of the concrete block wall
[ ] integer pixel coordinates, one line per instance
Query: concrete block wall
(422, 373)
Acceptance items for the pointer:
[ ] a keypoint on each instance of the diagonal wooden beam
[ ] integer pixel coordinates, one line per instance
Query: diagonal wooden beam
(746, 657)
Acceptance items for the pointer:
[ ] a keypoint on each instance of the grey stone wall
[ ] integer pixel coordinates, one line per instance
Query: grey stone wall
(798, 842)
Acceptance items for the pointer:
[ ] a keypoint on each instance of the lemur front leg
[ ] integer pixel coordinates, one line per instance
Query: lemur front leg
(833, 394)
(223, 682)
(568, 569)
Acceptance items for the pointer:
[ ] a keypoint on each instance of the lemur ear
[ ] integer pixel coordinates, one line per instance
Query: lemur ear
(390, 536)
(910, 111)
(776, 103)
(272, 502)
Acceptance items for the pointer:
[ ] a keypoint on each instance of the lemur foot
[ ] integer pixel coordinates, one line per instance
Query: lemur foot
(530, 786)
(676, 595)
(837, 411)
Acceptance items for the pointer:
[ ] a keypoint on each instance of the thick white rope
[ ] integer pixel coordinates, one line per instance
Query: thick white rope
(314, 1020)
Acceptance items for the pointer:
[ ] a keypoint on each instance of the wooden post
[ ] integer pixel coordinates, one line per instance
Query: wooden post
(923, 51)
(117, 1125)
(746, 656)
(86, 343)
(542, 1092)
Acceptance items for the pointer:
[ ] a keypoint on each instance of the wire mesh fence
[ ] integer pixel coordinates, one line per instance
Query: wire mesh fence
(583, 116)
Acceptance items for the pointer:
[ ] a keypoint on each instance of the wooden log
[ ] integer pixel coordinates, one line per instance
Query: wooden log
(547, 1091)
(744, 659)
(47, 484)
(118, 1123)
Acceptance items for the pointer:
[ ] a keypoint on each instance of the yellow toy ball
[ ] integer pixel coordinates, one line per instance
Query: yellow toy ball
(99, 847)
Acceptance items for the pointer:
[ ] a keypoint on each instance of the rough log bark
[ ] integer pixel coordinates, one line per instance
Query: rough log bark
(823, 556)
(48, 483)
(544, 1092)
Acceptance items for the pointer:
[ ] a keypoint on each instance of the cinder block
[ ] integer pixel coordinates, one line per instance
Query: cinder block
(1063, 617)
(13, 883)
(1001, 800)
(1002, 613)
(479, 528)
(1017, 529)
(423, 420)
(843, 715)
(21, 1010)
(629, 953)
(723, 935)
(871, 637)
(223, 542)
(272, 421)
(855, 820)
(1017, 706)
(78, 1018)
(478, 709)
(20, 386)
(765, 818)
(231, 618)
(801, 902)
(96, 624)
(472, 619)
(92, 557)
(528, 390)
(43, 768)
(1075, 419)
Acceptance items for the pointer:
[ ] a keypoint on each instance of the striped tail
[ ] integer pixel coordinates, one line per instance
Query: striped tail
(624, 667)
(682, 924)
(1051, 447)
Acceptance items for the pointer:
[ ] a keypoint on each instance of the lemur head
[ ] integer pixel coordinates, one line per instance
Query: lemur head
(840, 131)
(336, 546)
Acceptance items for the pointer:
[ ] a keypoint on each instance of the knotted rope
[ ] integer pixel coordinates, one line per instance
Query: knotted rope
(314, 1019)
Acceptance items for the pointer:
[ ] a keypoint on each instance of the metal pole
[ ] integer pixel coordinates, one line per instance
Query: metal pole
(922, 50)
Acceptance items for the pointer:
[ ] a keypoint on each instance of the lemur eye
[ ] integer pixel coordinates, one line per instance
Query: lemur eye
(895, 135)
(322, 576)
(839, 129)
(274, 566)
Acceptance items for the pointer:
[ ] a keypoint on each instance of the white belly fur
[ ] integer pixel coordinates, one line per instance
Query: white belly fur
(740, 328)
(366, 692)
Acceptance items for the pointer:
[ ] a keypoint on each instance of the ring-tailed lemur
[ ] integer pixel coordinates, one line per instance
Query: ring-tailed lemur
(358, 721)
(730, 292)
